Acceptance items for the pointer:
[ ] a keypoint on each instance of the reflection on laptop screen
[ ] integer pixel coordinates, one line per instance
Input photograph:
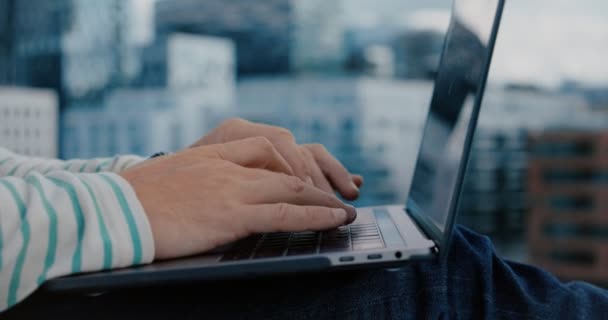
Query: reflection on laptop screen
(460, 76)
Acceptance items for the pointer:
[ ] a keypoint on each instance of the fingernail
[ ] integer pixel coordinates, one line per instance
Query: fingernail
(352, 213)
(309, 180)
(355, 186)
(340, 214)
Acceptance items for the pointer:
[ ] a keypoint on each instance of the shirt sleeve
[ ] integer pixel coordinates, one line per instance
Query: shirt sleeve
(63, 223)
(19, 166)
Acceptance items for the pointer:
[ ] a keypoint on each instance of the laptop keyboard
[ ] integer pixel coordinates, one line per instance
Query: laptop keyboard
(363, 234)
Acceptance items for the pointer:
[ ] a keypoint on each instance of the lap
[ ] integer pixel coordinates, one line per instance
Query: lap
(474, 283)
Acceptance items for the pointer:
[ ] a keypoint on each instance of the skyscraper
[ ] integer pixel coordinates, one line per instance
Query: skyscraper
(101, 46)
(79, 48)
(34, 29)
(271, 36)
(260, 29)
(318, 36)
(6, 40)
(28, 121)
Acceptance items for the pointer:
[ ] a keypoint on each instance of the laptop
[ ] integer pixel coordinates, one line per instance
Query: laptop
(381, 236)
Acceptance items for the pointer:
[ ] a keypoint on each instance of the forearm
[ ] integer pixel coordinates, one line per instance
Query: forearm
(19, 166)
(65, 223)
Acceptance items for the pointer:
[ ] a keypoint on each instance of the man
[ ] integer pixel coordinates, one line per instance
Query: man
(59, 218)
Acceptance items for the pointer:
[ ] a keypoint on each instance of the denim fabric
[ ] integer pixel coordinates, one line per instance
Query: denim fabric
(473, 284)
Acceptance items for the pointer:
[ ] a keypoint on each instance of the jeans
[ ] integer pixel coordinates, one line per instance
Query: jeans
(474, 283)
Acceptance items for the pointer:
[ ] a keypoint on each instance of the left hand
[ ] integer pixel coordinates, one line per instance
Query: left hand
(310, 162)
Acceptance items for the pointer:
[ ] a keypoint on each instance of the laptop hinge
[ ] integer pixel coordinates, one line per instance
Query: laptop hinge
(422, 228)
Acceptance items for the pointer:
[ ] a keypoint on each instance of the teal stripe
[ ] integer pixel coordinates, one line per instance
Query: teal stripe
(12, 172)
(49, 169)
(125, 165)
(1, 236)
(28, 171)
(126, 210)
(31, 169)
(51, 250)
(104, 163)
(5, 161)
(105, 237)
(84, 165)
(77, 258)
(25, 231)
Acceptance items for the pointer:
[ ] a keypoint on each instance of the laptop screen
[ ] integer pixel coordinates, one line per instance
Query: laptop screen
(453, 112)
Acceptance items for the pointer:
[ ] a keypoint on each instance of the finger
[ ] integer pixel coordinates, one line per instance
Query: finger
(283, 217)
(283, 141)
(289, 149)
(278, 188)
(358, 180)
(257, 152)
(318, 178)
(332, 168)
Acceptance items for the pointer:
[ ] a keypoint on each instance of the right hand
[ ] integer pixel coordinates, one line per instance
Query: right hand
(205, 197)
(310, 162)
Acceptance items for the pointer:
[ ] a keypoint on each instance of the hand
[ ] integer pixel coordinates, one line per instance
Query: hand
(205, 197)
(312, 163)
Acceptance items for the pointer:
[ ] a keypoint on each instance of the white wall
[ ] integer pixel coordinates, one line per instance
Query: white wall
(28, 121)
(103, 133)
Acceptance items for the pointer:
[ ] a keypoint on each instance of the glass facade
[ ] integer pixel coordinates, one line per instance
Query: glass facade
(141, 76)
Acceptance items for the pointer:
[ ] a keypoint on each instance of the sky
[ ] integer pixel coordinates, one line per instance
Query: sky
(541, 42)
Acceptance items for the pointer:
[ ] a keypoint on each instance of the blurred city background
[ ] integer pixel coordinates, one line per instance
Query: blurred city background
(89, 78)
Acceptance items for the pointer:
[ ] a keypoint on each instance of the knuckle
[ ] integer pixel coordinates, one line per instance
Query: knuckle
(307, 153)
(282, 214)
(228, 128)
(234, 121)
(293, 183)
(338, 217)
(317, 148)
(332, 199)
(263, 143)
(285, 134)
(221, 150)
(312, 215)
(233, 124)
(308, 171)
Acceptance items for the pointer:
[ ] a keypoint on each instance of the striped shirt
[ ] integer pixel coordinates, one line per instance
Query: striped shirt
(64, 217)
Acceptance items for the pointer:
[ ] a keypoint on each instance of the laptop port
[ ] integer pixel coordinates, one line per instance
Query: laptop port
(374, 256)
(347, 259)
(398, 255)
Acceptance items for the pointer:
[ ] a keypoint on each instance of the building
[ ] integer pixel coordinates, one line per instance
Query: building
(498, 167)
(6, 41)
(567, 222)
(417, 53)
(192, 112)
(261, 30)
(318, 33)
(29, 121)
(140, 122)
(90, 133)
(186, 88)
(272, 36)
(184, 61)
(191, 76)
(101, 47)
(33, 32)
(360, 44)
(79, 48)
